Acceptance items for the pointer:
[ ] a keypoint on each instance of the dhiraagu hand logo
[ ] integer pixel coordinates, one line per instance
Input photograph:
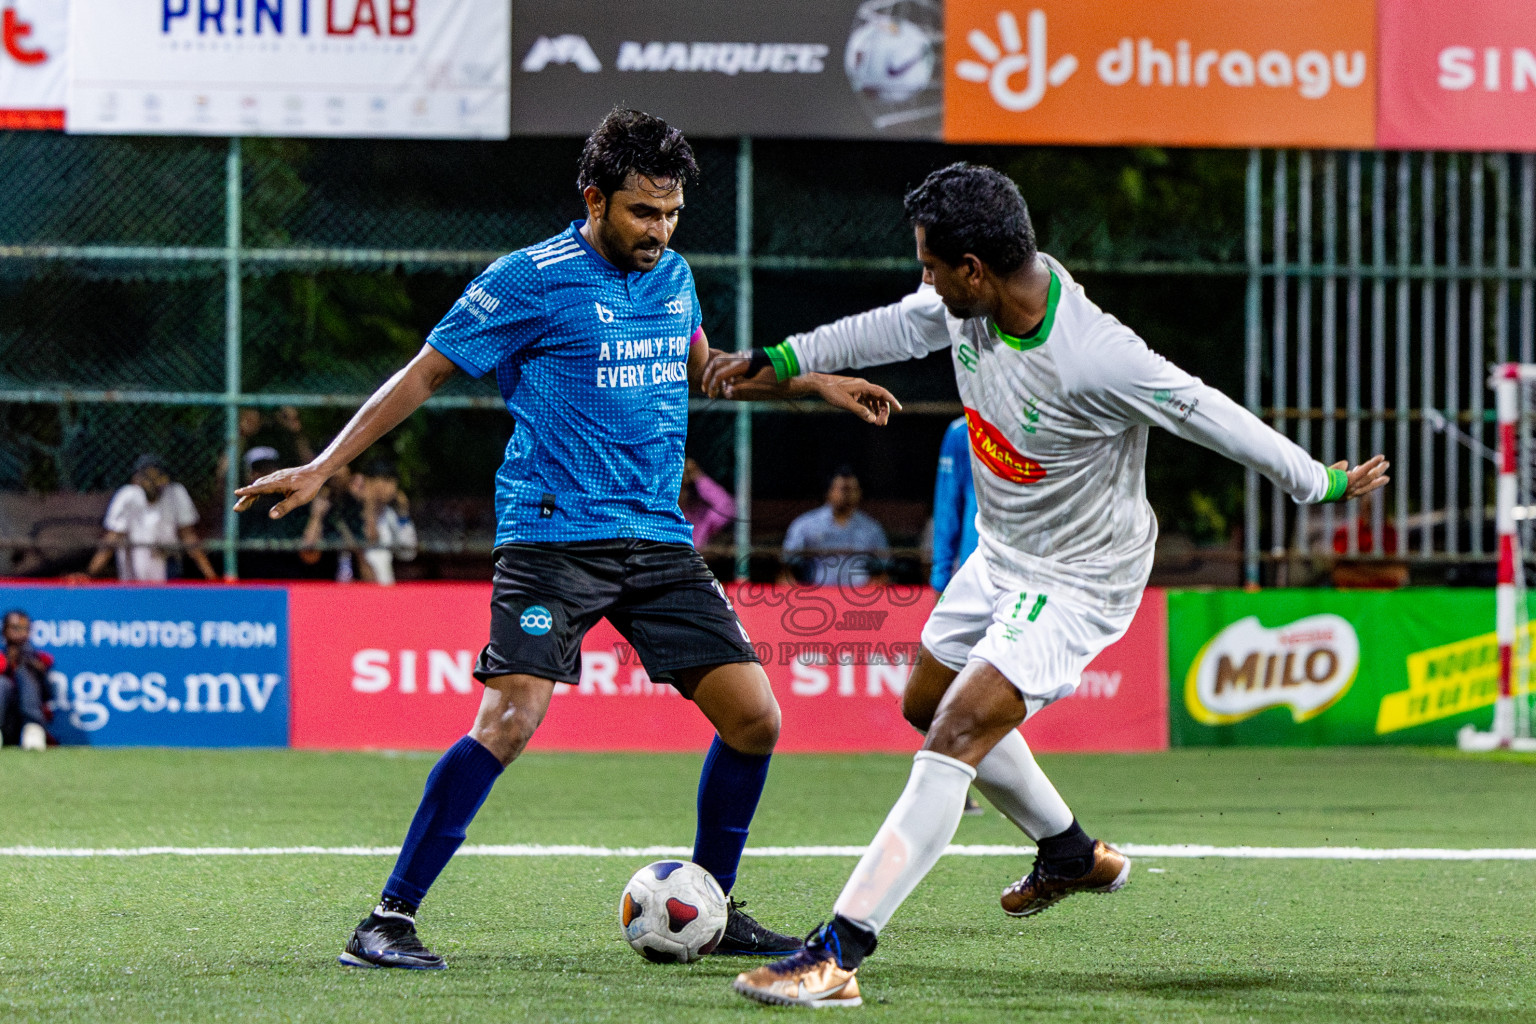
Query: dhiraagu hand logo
(1247, 668)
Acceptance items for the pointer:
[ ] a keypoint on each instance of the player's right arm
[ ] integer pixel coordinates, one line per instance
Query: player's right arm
(385, 409)
(909, 329)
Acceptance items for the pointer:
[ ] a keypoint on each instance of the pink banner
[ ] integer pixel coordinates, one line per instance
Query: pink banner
(391, 668)
(1457, 76)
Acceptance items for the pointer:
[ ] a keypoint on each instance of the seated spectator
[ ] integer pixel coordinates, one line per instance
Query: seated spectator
(281, 430)
(23, 686)
(704, 503)
(1368, 573)
(257, 525)
(386, 522)
(336, 520)
(837, 543)
(149, 521)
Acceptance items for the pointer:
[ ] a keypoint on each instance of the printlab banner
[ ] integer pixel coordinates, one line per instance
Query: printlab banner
(390, 68)
(33, 35)
(828, 68)
(1320, 668)
(163, 666)
(392, 668)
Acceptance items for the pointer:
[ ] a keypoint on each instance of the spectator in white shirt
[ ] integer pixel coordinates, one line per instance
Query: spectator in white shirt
(148, 520)
(386, 522)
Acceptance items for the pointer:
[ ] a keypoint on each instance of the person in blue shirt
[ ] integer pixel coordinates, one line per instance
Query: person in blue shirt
(594, 338)
(954, 506)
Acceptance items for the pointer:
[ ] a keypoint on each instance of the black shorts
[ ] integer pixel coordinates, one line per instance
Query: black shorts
(661, 597)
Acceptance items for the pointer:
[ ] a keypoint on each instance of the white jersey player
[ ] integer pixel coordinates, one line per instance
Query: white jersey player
(1058, 397)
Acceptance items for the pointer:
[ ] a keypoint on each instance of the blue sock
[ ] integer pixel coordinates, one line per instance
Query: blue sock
(729, 787)
(457, 786)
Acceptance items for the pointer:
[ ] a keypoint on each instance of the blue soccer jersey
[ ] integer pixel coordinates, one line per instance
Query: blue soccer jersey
(593, 365)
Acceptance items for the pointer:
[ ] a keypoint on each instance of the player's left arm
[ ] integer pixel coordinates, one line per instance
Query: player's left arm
(1130, 381)
(869, 402)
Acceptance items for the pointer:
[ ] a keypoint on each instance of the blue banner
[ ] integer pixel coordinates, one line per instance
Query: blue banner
(163, 666)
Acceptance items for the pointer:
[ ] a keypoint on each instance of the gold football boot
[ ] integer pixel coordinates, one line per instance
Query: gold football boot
(1040, 889)
(813, 976)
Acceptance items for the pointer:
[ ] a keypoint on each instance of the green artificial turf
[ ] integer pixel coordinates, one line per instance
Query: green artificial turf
(254, 938)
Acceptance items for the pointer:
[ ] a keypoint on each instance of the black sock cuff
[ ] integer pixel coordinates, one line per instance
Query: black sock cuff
(854, 942)
(1073, 844)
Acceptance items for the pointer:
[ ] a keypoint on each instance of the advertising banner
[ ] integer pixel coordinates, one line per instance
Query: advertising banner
(384, 68)
(1219, 73)
(186, 666)
(1318, 668)
(1458, 76)
(808, 68)
(32, 82)
(391, 668)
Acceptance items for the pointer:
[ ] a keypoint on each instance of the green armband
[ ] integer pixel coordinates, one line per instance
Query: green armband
(785, 363)
(1338, 483)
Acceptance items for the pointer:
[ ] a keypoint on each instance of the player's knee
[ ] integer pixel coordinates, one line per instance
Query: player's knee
(505, 735)
(917, 711)
(757, 733)
(954, 732)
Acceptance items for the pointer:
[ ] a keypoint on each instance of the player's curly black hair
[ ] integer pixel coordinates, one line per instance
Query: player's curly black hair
(631, 140)
(964, 208)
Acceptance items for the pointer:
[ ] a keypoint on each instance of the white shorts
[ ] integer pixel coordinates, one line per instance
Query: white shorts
(1039, 642)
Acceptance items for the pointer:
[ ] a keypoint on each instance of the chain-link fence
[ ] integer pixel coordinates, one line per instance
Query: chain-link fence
(200, 298)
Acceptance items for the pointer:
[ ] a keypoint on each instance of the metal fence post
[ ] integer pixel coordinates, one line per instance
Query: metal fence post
(231, 354)
(1254, 346)
(743, 343)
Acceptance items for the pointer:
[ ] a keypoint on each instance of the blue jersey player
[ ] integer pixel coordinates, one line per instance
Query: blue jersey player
(595, 342)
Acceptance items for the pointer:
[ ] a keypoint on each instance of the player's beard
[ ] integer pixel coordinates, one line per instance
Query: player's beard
(628, 254)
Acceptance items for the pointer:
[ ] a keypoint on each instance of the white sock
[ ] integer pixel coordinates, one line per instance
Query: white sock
(910, 842)
(1009, 777)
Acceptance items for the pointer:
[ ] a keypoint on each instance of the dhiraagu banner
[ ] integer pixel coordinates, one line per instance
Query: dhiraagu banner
(1322, 667)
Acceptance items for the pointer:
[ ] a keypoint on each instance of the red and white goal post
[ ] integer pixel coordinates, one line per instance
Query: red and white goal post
(1514, 386)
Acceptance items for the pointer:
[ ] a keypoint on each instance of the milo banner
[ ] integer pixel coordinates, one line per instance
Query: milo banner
(1317, 667)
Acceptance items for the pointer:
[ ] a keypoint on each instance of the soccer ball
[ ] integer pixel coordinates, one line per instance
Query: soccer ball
(890, 58)
(673, 912)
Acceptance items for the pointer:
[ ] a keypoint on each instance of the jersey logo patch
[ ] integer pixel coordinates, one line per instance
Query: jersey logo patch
(536, 620)
(604, 314)
(998, 455)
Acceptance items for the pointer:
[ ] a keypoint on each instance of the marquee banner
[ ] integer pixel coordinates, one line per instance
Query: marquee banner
(33, 38)
(340, 68)
(806, 68)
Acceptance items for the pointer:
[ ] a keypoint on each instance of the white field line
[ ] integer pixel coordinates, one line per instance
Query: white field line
(1153, 852)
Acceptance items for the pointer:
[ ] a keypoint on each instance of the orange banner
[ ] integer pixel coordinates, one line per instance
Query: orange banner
(1214, 73)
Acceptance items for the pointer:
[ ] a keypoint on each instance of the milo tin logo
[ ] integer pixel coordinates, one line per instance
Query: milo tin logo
(1246, 668)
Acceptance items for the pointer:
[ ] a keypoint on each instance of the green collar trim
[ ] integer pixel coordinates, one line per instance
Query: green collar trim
(1042, 332)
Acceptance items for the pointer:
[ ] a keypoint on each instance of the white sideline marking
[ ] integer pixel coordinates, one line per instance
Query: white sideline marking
(531, 850)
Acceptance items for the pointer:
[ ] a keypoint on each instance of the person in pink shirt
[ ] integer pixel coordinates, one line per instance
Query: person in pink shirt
(705, 504)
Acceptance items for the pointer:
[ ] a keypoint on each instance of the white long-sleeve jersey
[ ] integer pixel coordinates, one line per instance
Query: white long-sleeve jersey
(1058, 426)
